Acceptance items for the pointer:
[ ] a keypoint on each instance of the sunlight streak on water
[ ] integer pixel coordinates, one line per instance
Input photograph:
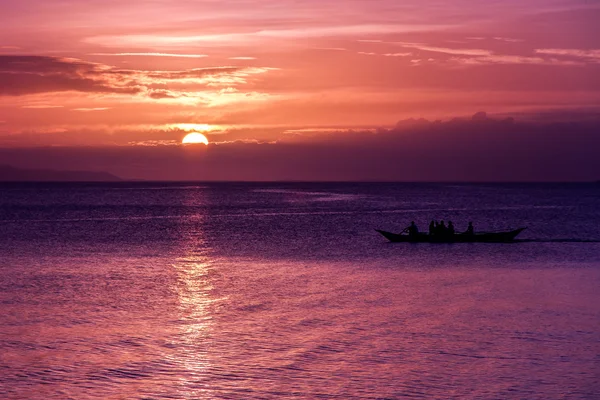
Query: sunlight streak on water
(194, 322)
(193, 288)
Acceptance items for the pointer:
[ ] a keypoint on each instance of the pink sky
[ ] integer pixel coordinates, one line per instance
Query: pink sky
(77, 72)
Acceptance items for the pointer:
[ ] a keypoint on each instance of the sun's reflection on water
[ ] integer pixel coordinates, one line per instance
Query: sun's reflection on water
(194, 323)
(194, 319)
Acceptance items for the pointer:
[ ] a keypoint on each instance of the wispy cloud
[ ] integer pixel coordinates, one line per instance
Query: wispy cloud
(90, 109)
(368, 53)
(331, 48)
(154, 143)
(169, 41)
(589, 54)
(150, 55)
(242, 58)
(473, 57)
(509, 40)
(42, 106)
(510, 59)
(446, 50)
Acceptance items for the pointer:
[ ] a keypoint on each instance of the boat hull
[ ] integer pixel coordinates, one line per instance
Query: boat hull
(486, 237)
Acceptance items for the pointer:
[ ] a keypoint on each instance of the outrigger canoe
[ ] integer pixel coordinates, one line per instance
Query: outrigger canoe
(482, 237)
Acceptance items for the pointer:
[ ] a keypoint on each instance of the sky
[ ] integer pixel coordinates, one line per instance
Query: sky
(325, 83)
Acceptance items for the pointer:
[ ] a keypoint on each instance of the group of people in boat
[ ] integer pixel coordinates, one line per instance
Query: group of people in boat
(438, 229)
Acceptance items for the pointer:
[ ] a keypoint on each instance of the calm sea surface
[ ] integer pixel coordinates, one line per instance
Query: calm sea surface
(275, 291)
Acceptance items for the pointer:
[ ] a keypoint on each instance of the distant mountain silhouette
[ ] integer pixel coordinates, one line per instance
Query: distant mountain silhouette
(13, 174)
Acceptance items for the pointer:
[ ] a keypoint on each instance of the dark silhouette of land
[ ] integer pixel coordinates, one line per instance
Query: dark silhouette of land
(13, 174)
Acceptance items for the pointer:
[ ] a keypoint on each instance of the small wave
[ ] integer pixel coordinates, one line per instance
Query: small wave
(191, 187)
(317, 196)
(128, 373)
(558, 240)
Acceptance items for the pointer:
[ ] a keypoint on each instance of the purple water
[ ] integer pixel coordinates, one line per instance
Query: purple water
(274, 291)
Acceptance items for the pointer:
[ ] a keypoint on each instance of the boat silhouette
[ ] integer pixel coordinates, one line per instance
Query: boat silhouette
(479, 237)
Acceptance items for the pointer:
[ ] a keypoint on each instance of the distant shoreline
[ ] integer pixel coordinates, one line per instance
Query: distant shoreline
(10, 174)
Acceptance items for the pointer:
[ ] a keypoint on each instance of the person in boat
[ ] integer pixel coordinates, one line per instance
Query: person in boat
(442, 230)
(470, 230)
(412, 229)
(450, 229)
(431, 228)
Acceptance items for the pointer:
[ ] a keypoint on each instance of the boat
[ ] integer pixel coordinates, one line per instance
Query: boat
(478, 237)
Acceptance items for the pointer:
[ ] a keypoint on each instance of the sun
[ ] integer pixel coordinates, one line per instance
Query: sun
(195, 138)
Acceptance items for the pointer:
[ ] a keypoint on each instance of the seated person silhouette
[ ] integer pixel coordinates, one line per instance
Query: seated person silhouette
(470, 230)
(442, 230)
(450, 229)
(412, 229)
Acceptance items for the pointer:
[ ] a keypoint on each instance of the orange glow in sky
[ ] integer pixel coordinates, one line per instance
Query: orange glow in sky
(113, 66)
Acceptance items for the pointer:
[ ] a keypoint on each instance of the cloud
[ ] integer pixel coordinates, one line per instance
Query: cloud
(445, 50)
(194, 73)
(151, 55)
(509, 40)
(156, 143)
(332, 48)
(588, 54)
(480, 148)
(258, 36)
(23, 75)
(90, 109)
(42, 106)
(122, 135)
(163, 94)
(511, 59)
(369, 53)
(474, 57)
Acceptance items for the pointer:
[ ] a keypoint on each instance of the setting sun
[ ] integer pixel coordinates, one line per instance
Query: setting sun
(195, 138)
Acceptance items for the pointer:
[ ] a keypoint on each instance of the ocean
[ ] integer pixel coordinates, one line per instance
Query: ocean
(284, 290)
